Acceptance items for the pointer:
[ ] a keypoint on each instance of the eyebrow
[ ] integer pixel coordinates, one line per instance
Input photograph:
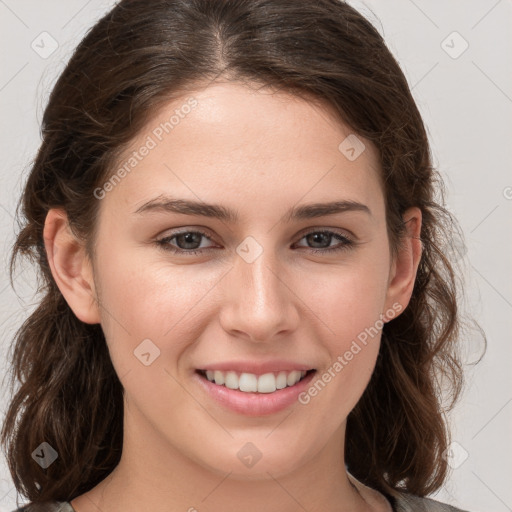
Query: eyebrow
(302, 212)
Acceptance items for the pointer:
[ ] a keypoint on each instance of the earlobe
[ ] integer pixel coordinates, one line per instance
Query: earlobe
(70, 267)
(404, 269)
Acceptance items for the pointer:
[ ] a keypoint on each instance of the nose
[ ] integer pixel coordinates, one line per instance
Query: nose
(259, 300)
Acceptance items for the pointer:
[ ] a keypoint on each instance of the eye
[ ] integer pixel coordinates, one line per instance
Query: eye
(189, 242)
(324, 238)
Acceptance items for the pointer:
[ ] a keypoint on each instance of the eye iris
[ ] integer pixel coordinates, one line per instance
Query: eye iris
(313, 238)
(189, 239)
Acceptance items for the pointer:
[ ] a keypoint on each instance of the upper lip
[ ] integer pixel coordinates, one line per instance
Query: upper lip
(257, 368)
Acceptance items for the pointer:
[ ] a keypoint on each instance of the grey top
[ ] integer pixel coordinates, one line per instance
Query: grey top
(409, 503)
(404, 503)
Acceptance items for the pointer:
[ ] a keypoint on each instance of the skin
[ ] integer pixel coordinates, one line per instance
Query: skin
(260, 154)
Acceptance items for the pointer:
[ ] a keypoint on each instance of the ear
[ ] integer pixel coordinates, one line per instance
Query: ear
(70, 266)
(405, 265)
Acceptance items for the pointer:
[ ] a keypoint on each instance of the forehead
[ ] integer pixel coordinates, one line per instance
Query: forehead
(232, 143)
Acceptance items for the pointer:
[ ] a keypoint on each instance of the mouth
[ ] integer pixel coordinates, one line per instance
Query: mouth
(266, 383)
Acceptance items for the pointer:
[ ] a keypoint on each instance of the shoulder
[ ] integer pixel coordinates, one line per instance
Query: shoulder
(410, 503)
(48, 506)
(402, 503)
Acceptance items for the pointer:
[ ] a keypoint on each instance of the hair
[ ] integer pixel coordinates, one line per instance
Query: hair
(140, 56)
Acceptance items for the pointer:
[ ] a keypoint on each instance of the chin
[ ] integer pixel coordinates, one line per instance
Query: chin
(249, 461)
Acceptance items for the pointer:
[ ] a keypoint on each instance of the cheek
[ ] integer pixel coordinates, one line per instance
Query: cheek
(344, 300)
(352, 345)
(154, 301)
(348, 306)
(336, 390)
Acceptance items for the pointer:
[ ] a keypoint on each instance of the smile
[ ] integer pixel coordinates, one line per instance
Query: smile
(252, 383)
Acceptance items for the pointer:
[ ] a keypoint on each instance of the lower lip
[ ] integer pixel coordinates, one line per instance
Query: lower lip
(254, 404)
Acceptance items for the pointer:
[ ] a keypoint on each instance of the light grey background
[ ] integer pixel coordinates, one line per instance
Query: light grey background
(466, 100)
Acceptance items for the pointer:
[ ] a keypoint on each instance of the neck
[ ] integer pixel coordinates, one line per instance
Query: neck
(146, 479)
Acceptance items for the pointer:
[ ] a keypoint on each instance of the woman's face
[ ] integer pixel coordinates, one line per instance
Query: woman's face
(269, 279)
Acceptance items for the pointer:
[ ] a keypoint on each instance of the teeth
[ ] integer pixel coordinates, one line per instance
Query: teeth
(251, 383)
(293, 377)
(231, 380)
(266, 383)
(248, 382)
(281, 380)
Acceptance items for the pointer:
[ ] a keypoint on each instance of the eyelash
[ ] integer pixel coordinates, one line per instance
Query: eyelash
(164, 243)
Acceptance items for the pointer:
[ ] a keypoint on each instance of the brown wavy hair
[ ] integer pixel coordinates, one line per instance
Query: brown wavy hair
(136, 58)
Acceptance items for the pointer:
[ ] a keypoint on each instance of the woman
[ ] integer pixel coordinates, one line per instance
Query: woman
(246, 301)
